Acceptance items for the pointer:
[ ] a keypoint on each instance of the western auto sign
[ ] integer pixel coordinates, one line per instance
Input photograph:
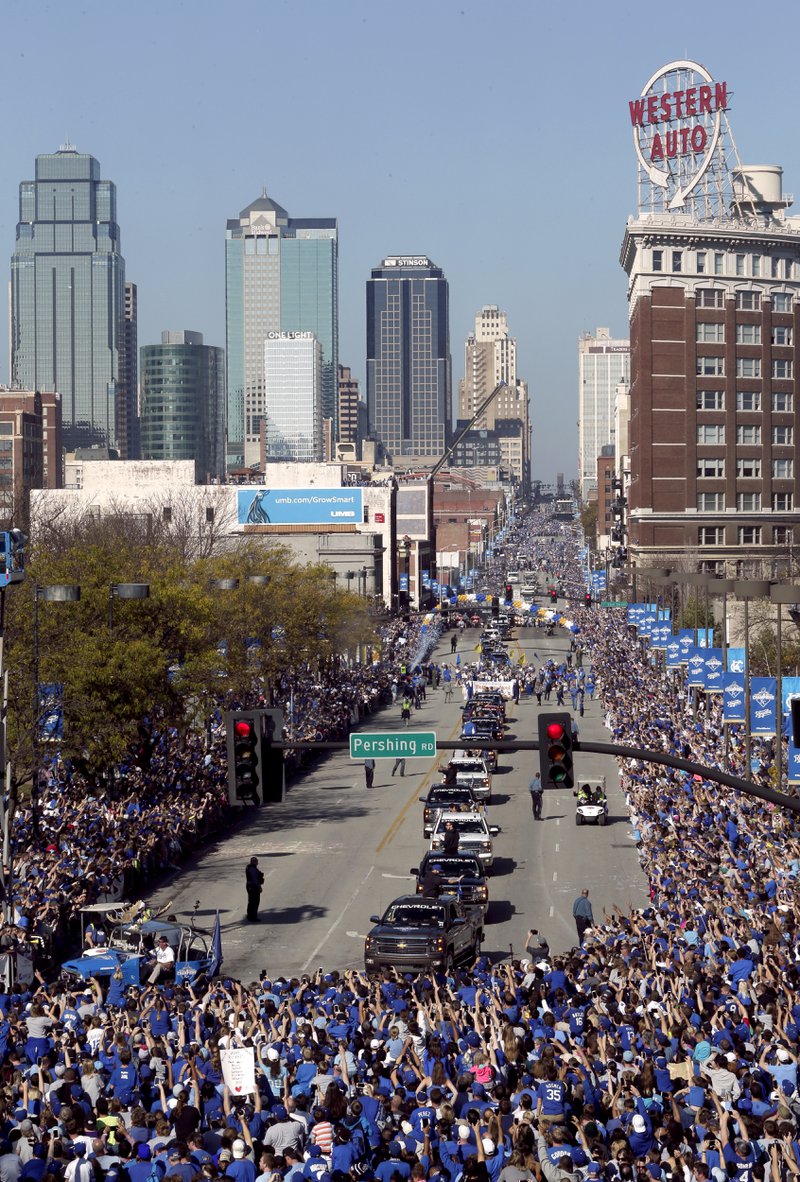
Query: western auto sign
(677, 123)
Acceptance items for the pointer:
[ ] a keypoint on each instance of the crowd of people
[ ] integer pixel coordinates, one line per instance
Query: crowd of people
(664, 1049)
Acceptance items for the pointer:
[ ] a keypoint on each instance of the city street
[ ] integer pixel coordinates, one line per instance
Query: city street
(335, 853)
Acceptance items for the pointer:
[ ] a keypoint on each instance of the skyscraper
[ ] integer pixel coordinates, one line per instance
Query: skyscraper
(128, 386)
(490, 357)
(603, 365)
(293, 375)
(183, 403)
(281, 276)
(408, 355)
(67, 294)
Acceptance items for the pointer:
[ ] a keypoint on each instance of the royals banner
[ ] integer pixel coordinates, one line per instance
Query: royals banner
(733, 700)
(735, 660)
(695, 667)
(763, 701)
(660, 635)
(705, 637)
(713, 670)
(673, 651)
(637, 612)
(686, 642)
(793, 768)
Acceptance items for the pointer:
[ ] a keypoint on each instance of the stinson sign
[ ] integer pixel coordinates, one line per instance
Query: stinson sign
(677, 123)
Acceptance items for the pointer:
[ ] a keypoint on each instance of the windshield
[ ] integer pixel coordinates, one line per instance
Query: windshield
(455, 867)
(470, 767)
(465, 825)
(414, 915)
(449, 796)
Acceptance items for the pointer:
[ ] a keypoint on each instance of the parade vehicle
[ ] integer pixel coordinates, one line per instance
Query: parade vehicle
(125, 938)
(417, 934)
(445, 796)
(461, 875)
(473, 772)
(591, 806)
(529, 591)
(474, 835)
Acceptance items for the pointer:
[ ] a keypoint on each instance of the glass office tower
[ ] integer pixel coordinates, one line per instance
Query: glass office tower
(68, 294)
(408, 355)
(183, 403)
(281, 275)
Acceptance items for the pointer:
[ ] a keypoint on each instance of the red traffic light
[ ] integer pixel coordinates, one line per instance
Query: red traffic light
(243, 730)
(555, 731)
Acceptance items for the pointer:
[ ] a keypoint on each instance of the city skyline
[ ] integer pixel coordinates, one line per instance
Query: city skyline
(520, 192)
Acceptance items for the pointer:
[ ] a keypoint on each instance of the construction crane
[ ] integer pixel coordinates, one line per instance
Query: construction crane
(487, 402)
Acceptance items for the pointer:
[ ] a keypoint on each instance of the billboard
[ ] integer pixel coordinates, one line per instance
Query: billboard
(299, 506)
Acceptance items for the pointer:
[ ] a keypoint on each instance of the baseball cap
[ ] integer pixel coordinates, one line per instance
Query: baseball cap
(638, 1124)
(143, 1151)
(239, 1149)
(488, 1145)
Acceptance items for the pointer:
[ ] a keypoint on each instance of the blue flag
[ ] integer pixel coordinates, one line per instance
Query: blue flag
(733, 702)
(216, 949)
(763, 693)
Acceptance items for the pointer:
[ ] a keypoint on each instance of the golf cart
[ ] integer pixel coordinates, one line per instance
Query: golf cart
(592, 806)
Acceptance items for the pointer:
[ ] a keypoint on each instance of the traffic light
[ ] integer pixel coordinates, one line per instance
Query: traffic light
(587, 599)
(509, 593)
(553, 595)
(555, 750)
(495, 606)
(255, 766)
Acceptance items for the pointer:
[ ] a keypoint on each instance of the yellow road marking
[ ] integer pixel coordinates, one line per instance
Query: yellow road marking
(418, 791)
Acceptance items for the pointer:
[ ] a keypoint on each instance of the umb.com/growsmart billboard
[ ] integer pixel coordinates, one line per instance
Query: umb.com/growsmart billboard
(300, 506)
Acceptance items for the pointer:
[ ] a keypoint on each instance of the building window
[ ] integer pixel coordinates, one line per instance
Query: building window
(748, 367)
(749, 535)
(166, 512)
(748, 400)
(713, 568)
(710, 334)
(756, 261)
(782, 403)
(658, 260)
(782, 369)
(775, 268)
(783, 469)
(709, 468)
(749, 502)
(711, 535)
(677, 260)
(748, 301)
(787, 268)
(710, 399)
(748, 469)
(781, 334)
(719, 263)
(701, 262)
(710, 502)
(711, 367)
(711, 433)
(781, 301)
(782, 502)
(740, 260)
(782, 535)
(748, 435)
(209, 515)
(782, 436)
(749, 568)
(748, 334)
(709, 297)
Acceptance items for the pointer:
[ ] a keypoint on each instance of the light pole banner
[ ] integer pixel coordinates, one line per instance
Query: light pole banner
(736, 660)
(733, 701)
(696, 663)
(705, 637)
(637, 612)
(673, 651)
(661, 635)
(763, 700)
(790, 688)
(713, 670)
(686, 641)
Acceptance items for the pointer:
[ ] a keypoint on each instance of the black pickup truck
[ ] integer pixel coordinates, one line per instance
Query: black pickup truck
(416, 934)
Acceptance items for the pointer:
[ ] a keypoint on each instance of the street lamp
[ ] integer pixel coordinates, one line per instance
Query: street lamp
(362, 575)
(747, 590)
(125, 591)
(781, 594)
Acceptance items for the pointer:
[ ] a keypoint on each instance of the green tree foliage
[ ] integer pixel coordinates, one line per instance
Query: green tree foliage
(165, 658)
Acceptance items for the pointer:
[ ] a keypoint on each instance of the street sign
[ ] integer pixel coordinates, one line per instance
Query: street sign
(614, 603)
(394, 745)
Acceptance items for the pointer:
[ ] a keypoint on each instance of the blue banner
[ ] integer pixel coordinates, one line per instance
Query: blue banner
(736, 660)
(51, 712)
(696, 667)
(790, 688)
(673, 651)
(300, 506)
(645, 626)
(661, 635)
(705, 637)
(403, 582)
(686, 642)
(713, 670)
(636, 611)
(733, 701)
(763, 695)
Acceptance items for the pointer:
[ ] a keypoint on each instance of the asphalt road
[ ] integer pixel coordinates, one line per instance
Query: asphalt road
(334, 853)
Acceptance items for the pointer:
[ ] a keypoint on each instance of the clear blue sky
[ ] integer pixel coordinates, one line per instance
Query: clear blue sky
(492, 137)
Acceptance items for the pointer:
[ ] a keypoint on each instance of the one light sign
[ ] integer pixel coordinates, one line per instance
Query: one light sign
(677, 123)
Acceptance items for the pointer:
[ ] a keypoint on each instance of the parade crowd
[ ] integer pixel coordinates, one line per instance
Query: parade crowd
(664, 1049)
